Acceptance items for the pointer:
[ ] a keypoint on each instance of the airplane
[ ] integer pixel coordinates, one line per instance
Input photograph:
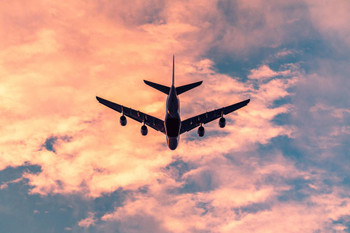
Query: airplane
(172, 126)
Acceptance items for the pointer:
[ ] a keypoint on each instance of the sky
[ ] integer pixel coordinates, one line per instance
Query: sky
(281, 164)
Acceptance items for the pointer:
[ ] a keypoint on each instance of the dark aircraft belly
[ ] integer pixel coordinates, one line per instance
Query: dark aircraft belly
(172, 142)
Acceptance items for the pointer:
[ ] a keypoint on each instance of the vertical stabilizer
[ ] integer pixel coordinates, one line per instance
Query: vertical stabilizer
(173, 83)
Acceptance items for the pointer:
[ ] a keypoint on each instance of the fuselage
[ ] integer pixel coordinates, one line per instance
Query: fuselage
(172, 121)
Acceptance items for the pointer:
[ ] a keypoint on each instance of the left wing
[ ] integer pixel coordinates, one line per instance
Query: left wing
(141, 117)
(204, 118)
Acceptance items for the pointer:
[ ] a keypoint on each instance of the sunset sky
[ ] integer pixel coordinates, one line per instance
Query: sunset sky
(282, 163)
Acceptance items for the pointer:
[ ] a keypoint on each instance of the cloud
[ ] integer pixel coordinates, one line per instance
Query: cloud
(230, 206)
(284, 53)
(55, 57)
(331, 20)
(87, 222)
(4, 185)
(63, 97)
(264, 72)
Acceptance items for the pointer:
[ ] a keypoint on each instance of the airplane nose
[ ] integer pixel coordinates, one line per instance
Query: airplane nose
(172, 143)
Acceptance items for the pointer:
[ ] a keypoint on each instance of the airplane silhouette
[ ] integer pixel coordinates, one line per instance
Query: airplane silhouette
(172, 127)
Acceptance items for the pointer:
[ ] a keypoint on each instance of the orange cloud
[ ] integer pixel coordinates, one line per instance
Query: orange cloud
(50, 80)
(55, 57)
(87, 222)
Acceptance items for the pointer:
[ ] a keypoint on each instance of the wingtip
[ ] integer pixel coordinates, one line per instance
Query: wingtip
(147, 82)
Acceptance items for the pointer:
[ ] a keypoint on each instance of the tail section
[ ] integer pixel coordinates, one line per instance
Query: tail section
(173, 82)
(159, 87)
(182, 89)
(179, 90)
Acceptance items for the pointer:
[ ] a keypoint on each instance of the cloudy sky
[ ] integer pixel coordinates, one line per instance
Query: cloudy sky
(281, 165)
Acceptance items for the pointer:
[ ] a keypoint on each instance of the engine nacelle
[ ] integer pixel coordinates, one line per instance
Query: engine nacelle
(144, 130)
(222, 122)
(201, 131)
(123, 120)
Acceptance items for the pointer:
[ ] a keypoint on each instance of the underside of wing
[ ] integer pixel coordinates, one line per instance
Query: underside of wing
(207, 117)
(141, 117)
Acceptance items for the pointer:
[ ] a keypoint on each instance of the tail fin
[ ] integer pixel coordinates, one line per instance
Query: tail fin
(179, 90)
(182, 89)
(162, 88)
(173, 82)
(159, 87)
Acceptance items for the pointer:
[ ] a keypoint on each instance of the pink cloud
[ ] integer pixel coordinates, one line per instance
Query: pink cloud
(284, 53)
(57, 91)
(5, 184)
(222, 210)
(87, 222)
(264, 72)
(182, 213)
(58, 56)
(51, 81)
(331, 19)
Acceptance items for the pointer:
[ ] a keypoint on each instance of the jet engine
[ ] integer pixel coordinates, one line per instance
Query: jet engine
(144, 130)
(201, 131)
(222, 122)
(123, 120)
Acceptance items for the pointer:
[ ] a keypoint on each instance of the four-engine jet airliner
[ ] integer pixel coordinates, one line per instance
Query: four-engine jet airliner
(172, 126)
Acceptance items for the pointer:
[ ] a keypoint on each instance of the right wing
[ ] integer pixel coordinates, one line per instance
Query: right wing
(204, 118)
(141, 117)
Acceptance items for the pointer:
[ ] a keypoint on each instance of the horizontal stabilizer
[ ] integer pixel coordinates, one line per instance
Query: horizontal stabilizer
(159, 87)
(182, 89)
